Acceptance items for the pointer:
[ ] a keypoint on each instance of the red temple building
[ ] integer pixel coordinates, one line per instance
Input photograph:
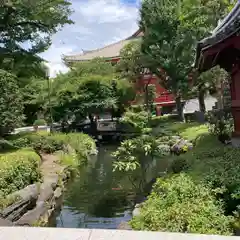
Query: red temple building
(164, 100)
(223, 48)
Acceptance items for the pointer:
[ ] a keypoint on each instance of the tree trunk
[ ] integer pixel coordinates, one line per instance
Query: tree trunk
(179, 107)
(201, 96)
(219, 94)
(147, 102)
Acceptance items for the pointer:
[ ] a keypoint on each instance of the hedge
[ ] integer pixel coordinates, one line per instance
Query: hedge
(17, 170)
(178, 204)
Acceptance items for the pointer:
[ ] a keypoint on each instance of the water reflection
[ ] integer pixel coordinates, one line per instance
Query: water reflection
(98, 198)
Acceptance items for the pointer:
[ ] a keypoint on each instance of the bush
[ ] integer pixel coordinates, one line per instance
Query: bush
(80, 143)
(40, 122)
(221, 124)
(157, 120)
(11, 107)
(178, 204)
(17, 170)
(179, 164)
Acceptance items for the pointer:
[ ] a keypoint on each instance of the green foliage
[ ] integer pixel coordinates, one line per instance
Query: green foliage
(136, 156)
(171, 47)
(11, 105)
(40, 122)
(88, 88)
(17, 170)
(132, 62)
(221, 124)
(137, 118)
(159, 120)
(178, 204)
(72, 143)
(33, 22)
(8, 201)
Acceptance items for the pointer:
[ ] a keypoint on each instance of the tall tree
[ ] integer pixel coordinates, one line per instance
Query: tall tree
(11, 104)
(31, 22)
(171, 30)
(89, 88)
(133, 65)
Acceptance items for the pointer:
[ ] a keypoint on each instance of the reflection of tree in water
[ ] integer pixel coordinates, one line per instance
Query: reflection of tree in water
(92, 193)
(109, 205)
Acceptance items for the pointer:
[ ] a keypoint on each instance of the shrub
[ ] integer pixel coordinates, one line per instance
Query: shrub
(39, 122)
(179, 164)
(158, 120)
(178, 204)
(80, 143)
(221, 124)
(17, 170)
(11, 107)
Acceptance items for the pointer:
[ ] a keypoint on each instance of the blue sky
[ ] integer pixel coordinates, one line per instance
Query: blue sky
(97, 23)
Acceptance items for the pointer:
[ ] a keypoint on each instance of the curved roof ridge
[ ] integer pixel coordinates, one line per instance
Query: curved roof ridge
(102, 48)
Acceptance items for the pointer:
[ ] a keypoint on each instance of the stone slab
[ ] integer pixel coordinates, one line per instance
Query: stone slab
(29, 233)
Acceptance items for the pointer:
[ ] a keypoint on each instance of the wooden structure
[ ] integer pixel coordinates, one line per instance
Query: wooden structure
(112, 53)
(223, 48)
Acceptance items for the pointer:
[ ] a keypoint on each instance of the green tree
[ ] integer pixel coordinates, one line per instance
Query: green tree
(31, 22)
(209, 81)
(132, 66)
(171, 30)
(35, 98)
(89, 88)
(11, 105)
(135, 156)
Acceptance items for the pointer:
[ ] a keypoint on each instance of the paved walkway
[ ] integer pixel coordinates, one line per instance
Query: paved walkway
(24, 233)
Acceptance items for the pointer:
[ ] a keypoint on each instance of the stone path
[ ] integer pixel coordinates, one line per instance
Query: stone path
(49, 166)
(24, 233)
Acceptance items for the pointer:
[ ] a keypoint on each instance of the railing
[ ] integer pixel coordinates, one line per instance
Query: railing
(24, 233)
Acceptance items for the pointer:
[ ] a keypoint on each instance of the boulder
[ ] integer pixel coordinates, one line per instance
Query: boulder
(33, 216)
(26, 193)
(46, 192)
(179, 146)
(5, 223)
(137, 209)
(16, 210)
(58, 193)
(124, 226)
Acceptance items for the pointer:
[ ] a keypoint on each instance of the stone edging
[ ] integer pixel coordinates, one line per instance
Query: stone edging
(37, 201)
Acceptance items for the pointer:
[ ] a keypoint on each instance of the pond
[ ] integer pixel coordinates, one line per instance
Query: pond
(97, 198)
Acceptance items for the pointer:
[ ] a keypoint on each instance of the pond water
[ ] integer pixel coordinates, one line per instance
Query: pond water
(97, 198)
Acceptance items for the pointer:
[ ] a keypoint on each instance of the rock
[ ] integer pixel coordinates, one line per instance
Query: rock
(178, 147)
(52, 180)
(33, 216)
(16, 210)
(137, 209)
(46, 192)
(28, 192)
(58, 193)
(124, 226)
(5, 223)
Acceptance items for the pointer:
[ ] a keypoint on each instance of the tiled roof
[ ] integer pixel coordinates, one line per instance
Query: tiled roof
(227, 28)
(110, 51)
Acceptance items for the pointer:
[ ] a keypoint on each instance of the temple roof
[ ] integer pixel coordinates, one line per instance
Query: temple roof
(228, 27)
(109, 51)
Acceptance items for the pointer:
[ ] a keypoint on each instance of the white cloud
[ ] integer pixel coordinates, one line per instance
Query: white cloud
(97, 23)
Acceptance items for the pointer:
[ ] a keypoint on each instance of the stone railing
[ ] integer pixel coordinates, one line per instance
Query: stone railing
(24, 233)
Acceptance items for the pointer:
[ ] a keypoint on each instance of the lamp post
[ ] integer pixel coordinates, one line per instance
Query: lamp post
(49, 100)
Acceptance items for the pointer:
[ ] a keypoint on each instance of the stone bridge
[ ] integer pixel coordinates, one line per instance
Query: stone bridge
(31, 233)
